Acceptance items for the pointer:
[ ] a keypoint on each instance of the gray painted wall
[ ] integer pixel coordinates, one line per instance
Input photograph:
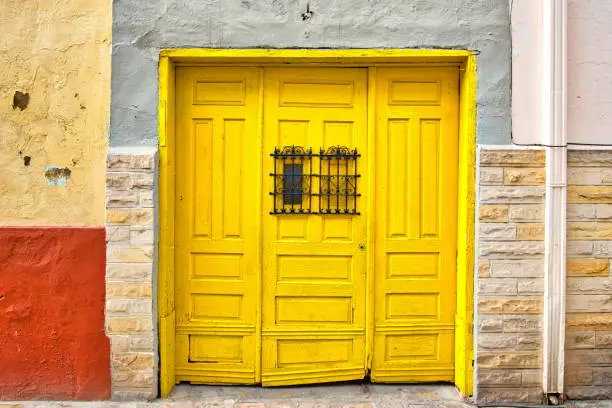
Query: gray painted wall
(142, 27)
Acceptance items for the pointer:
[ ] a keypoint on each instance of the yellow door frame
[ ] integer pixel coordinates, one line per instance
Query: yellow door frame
(466, 60)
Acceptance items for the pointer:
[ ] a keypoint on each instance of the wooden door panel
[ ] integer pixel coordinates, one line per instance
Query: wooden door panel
(216, 261)
(313, 323)
(416, 225)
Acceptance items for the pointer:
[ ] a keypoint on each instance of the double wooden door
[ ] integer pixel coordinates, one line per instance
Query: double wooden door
(316, 224)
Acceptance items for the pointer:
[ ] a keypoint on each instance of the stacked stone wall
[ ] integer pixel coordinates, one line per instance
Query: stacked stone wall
(510, 281)
(510, 247)
(588, 358)
(130, 236)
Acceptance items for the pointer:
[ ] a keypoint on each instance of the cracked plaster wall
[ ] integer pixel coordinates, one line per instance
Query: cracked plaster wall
(142, 27)
(57, 51)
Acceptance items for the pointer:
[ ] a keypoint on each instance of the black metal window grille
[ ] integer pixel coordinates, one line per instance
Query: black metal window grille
(334, 187)
(338, 187)
(293, 177)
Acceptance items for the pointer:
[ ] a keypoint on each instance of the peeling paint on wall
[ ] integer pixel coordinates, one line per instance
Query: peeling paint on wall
(52, 314)
(57, 176)
(21, 100)
(55, 88)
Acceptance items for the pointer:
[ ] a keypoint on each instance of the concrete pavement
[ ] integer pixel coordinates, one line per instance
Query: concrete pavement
(321, 396)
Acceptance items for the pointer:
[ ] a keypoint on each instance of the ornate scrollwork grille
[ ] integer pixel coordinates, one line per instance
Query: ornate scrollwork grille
(334, 187)
(338, 175)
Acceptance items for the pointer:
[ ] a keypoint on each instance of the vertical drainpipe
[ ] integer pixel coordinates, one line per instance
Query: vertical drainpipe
(554, 126)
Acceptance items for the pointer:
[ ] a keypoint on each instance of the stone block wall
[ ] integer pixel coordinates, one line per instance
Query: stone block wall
(588, 370)
(510, 247)
(510, 285)
(130, 232)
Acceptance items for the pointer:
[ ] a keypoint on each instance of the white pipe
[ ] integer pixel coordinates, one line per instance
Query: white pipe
(554, 127)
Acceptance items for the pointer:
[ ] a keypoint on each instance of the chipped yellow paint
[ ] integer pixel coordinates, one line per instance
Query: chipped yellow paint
(58, 53)
(464, 320)
(465, 245)
(327, 57)
(166, 243)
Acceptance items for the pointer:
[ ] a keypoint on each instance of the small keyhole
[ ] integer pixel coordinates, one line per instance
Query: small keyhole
(362, 247)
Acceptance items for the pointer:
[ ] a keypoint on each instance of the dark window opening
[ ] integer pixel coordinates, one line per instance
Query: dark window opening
(292, 184)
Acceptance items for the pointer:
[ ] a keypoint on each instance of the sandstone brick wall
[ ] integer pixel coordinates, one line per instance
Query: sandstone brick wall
(130, 315)
(510, 243)
(588, 370)
(510, 285)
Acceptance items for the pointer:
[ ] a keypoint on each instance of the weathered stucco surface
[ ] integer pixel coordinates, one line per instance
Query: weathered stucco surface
(52, 337)
(53, 151)
(142, 27)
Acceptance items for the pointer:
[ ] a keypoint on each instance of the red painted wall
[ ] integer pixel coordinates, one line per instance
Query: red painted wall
(52, 293)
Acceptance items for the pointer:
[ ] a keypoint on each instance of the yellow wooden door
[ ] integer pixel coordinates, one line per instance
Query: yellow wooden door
(217, 212)
(271, 288)
(416, 224)
(314, 266)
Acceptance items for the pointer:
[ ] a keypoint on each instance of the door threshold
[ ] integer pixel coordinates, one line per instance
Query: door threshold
(353, 394)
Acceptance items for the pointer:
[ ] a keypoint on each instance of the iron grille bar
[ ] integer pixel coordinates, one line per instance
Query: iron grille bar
(338, 184)
(346, 184)
(329, 185)
(292, 201)
(355, 184)
(310, 178)
(274, 187)
(320, 185)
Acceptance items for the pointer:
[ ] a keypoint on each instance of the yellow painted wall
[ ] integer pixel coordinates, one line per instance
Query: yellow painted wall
(58, 52)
